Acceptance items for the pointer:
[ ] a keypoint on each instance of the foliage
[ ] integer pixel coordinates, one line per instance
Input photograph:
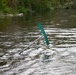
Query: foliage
(30, 6)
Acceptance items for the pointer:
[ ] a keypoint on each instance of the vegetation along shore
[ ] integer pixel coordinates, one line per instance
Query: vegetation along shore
(20, 7)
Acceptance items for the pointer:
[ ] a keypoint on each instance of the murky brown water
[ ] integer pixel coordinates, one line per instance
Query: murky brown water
(18, 32)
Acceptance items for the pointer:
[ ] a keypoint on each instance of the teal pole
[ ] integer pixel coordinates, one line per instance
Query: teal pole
(43, 32)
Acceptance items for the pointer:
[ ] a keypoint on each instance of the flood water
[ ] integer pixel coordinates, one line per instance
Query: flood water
(17, 33)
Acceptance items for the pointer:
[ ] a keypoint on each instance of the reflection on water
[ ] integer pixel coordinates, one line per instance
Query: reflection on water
(17, 33)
